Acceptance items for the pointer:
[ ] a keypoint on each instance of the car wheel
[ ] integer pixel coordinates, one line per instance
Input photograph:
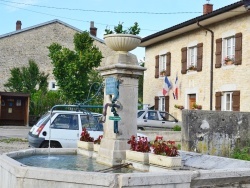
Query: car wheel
(140, 129)
(52, 145)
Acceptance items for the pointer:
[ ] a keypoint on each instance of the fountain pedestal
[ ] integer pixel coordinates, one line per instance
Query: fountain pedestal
(124, 68)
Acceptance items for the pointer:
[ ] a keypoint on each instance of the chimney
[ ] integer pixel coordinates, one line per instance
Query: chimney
(93, 29)
(18, 25)
(207, 8)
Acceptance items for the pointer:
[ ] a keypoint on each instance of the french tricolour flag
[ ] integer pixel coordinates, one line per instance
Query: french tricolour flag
(175, 92)
(167, 86)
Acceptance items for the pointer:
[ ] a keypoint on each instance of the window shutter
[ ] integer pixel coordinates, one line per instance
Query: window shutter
(218, 53)
(157, 66)
(168, 65)
(238, 49)
(218, 101)
(184, 60)
(236, 101)
(156, 102)
(199, 56)
(167, 103)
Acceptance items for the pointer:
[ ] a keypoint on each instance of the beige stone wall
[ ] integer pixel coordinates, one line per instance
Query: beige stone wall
(17, 49)
(232, 78)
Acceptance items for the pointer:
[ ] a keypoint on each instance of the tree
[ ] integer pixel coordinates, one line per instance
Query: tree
(42, 102)
(27, 79)
(72, 69)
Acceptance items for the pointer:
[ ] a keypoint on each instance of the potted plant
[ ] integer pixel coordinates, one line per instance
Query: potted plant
(121, 40)
(139, 149)
(165, 153)
(196, 106)
(229, 60)
(163, 73)
(86, 141)
(179, 107)
(97, 143)
(192, 67)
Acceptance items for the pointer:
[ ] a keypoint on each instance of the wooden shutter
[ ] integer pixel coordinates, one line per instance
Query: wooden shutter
(218, 53)
(199, 56)
(238, 49)
(156, 102)
(157, 66)
(167, 103)
(168, 65)
(184, 60)
(218, 101)
(236, 101)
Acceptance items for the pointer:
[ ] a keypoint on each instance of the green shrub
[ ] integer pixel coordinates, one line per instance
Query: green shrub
(242, 154)
(177, 128)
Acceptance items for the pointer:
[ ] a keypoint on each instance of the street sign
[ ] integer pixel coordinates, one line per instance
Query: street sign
(112, 87)
(115, 118)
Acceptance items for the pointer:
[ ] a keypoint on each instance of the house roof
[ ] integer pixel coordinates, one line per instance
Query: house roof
(44, 24)
(14, 94)
(223, 13)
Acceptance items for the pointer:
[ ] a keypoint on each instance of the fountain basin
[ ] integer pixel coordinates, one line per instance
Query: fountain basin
(198, 170)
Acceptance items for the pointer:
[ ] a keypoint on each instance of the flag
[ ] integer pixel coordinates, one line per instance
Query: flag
(175, 92)
(167, 86)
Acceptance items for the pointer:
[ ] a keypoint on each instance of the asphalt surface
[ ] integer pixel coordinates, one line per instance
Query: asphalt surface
(14, 132)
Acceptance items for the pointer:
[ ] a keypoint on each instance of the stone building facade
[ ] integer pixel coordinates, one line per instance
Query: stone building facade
(18, 47)
(195, 54)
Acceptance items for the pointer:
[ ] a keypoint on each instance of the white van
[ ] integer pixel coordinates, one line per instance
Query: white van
(63, 129)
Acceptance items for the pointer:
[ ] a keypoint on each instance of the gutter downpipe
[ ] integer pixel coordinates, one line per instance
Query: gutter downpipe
(212, 62)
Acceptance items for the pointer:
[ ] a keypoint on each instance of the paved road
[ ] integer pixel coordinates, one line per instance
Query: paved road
(14, 131)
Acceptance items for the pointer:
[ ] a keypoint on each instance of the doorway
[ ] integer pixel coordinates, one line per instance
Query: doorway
(191, 100)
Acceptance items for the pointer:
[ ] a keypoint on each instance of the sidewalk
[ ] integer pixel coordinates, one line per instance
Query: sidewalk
(14, 132)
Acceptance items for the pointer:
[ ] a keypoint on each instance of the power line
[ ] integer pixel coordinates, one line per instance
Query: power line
(101, 11)
(65, 17)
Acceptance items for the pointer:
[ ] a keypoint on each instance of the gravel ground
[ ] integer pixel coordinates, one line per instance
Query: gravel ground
(13, 138)
(12, 146)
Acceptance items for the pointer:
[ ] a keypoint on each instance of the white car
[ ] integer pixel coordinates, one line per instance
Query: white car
(64, 128)
(148, 119)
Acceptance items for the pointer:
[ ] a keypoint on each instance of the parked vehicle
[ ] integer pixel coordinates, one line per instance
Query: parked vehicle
(64, 128)
(148, 119)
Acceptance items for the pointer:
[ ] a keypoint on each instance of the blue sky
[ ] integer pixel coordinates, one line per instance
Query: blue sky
(152, 15)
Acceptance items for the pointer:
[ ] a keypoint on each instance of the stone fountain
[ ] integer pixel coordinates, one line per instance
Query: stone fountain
(121, 74)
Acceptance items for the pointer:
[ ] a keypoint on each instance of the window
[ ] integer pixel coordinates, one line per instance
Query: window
(162, 103)
(66, 121)
(192, 57)
(162, 65)
(151, 115)
(229, 48)
(227, 101)
(53, 85)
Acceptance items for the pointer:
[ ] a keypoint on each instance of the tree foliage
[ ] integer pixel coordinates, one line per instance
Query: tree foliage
(27, 79)
(72, 69)
(42, 102)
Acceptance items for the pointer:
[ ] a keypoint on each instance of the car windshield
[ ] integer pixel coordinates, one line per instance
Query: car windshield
(167, 117)
(140, 113)
(44, 119)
